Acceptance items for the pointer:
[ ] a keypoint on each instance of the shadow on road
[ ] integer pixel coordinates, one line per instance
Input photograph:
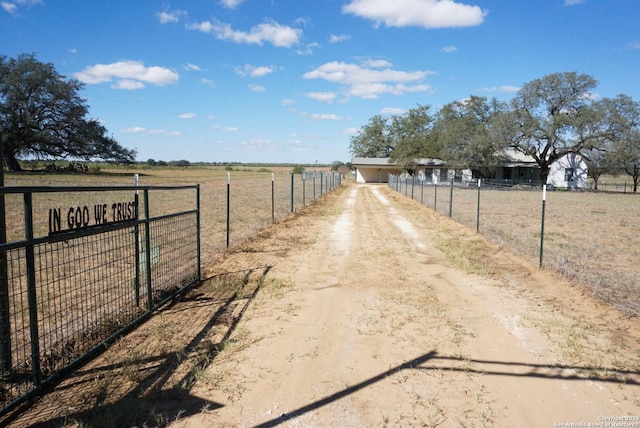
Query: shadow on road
(558, 372)
(153, 401)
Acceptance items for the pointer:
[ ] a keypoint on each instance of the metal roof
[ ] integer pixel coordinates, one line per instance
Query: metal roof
(380, 162)
(371, 162)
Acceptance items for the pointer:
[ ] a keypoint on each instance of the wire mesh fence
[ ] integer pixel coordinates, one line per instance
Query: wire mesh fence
(590, 237)
(86, 257)
(257, 198)
(80, 265)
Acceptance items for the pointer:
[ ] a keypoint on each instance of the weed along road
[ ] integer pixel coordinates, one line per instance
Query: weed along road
(368, 309)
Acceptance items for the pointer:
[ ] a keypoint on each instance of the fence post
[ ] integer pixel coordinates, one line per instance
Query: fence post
(451, 198)
(31, 289)
(314, 185)
(147, 250)
(199, 273)
(137, 239)
(228, 205)
(435, 197)
(544, 201)
(413, 184)
(478, 210)
(273, 198)
(304, 190)
(292, 191)
(5, 328)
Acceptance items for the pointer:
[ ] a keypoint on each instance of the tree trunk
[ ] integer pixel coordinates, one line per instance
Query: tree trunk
(544, 174)
(12, 162)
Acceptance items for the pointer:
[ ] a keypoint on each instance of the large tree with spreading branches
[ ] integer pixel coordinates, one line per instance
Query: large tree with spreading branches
(42, 115)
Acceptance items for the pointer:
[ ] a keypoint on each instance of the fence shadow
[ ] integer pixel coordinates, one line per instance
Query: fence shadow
(151, 402)
(556, 372)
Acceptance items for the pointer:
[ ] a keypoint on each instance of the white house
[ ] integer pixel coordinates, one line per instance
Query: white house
(570, 171)
(374, 170)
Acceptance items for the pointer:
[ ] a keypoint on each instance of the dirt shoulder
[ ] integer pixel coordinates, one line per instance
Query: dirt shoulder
(366, 309)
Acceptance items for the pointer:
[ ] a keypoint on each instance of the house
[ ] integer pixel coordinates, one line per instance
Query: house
(374, 170)
(570, 171)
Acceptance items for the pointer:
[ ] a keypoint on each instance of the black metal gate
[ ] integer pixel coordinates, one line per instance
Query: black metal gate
(80, 266)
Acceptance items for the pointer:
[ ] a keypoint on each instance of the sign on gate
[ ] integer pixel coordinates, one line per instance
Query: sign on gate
(85, 216)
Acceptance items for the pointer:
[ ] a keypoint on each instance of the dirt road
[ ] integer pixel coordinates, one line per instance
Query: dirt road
(371, 310)
(381, 328)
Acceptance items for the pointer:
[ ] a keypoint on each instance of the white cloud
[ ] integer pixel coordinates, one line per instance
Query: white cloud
(256, 88)
(338, 38)
(377, 63)
(308, 49)
(231, 4)
(261, 71)
(167, 16)
(419, 13)
(393, 110)
(192, 67)
(259, 144)
(11, 7)
(449, 49)
(351, 131)
(130, 75)
(271, 32)
(634, 45)
(591, 96)
(573, 2)
(133, 130)
(253, 71)
(224, 128)
(208, 82)
(325, 116)
(187, 116)
(503, 88)
(128, 84)
(288, 102)
(370, 83)
(327, 97)
(144, 131)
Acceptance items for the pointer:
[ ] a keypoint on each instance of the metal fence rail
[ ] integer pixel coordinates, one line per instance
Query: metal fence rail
(79, 266)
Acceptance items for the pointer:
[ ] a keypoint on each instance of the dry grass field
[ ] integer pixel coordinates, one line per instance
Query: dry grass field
(250, 197)
(592, 238)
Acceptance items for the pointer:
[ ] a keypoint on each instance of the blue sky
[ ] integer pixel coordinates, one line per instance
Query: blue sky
(292, 80)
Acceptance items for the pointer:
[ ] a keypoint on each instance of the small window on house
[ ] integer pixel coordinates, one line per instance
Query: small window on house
(568, 174)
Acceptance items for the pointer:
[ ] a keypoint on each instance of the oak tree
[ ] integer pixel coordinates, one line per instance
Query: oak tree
(43, 115)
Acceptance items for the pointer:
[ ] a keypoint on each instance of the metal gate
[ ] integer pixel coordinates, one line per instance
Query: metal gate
(80, 266)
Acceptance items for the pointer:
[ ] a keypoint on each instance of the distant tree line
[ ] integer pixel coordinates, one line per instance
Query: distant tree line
(547, 119)
(180, 163)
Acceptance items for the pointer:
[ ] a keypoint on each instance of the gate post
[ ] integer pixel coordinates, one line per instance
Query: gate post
(5, 329)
